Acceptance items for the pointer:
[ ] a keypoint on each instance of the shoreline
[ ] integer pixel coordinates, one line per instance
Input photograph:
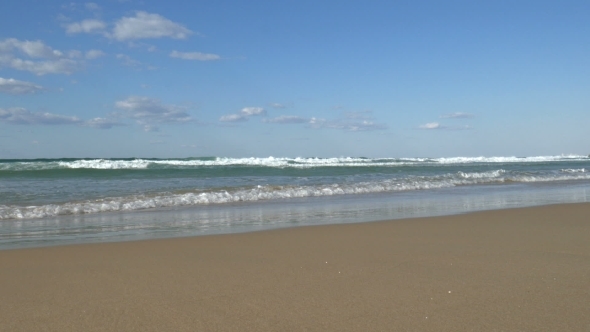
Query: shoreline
(510, 269)
(77, 223)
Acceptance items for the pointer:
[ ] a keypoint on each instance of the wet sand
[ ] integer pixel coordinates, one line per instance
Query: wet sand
(507, 270)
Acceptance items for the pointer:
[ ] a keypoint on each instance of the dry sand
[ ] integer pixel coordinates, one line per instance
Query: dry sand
(510, 270)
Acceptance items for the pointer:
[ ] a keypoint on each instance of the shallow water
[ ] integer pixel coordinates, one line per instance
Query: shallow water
(271, 214)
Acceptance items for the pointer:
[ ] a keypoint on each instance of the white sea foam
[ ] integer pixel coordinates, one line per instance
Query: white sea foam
(538, 159)
(574, 170)
(106, 164)
(482, 175)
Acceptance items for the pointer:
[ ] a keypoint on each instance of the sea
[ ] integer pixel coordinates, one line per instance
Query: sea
(47, 202)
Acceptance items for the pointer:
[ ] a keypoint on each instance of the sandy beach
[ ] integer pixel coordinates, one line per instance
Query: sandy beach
(522, 269)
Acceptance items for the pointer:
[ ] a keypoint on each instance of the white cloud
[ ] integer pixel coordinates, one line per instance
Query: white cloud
(42, 59)
(61, 66)
(436, 125)
(364, 126)
(33, 49)
(145, 25)
(244, 114)
(103, 123)
(194, 56)
(15, 87)
(149, 112)
(22, 116)
(431, 125)
(457, 115)
(233, 118)
(249, 111)
(287, 119)
(93, 54)
(86, 26)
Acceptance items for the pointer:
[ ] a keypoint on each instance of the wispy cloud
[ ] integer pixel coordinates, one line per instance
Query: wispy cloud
(145, 25)
(150, 112)
(33, 49)
(431, 125)
(277, 105)
(351, 121)
(22, 116)
(198, 56)
(94, 54)
(456, 115)
(360, 115)
(438, 126)
(244, 114)
(249, 111)
(347, 124)
(287, 119)
(233, 118)
(86, 26)
(15, 87)
(127, 60)
(92, 6)
(103, 123)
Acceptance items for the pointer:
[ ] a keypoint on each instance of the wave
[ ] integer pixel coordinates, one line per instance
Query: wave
(134, 164)
(273, 192)
(574, 170)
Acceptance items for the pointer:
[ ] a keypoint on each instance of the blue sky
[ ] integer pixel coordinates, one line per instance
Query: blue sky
(294, 78)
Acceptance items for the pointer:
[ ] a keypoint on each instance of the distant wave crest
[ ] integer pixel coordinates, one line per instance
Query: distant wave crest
(116, 164)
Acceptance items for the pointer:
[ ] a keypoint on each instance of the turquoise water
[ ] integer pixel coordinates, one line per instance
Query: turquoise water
(60, 201)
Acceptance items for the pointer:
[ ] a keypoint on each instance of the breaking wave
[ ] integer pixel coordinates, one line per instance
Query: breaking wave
(115, 164)
(272, 192)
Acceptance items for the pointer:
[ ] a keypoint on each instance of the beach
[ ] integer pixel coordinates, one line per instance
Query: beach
(524, 269)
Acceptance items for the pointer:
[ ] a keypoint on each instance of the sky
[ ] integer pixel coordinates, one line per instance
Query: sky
(114, 78)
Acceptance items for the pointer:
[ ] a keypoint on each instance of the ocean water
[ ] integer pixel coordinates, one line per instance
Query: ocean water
(63, 201)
